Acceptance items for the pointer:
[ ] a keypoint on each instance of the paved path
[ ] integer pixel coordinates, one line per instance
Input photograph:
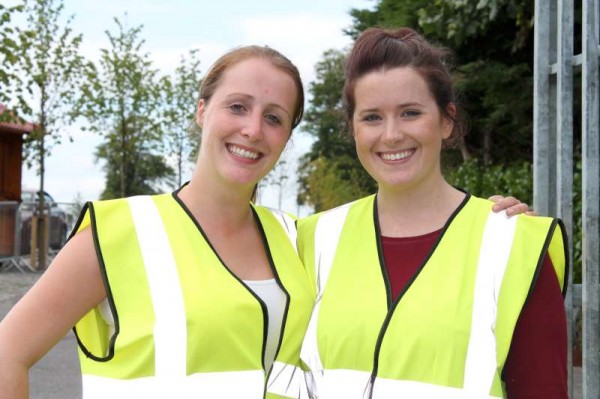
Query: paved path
(57, 375)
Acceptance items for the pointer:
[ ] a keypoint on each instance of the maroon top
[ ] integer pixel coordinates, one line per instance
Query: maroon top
(536, 366)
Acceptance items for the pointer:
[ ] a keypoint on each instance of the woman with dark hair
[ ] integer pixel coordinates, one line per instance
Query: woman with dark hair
(422, 290)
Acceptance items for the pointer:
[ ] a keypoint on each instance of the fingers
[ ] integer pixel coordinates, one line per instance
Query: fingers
(502, 203)
(511, 205)
(518, 209)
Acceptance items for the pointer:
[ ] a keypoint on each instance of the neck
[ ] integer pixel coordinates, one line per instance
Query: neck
(215, 205)
(416, 210)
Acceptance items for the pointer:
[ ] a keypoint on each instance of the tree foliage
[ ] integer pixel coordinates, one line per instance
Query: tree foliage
(334, 181)
(51, 68)
(46, 69)
(142, 167)
(493, 72)
(122, 105)
(178, 103)
(333, 149)
(11, 89)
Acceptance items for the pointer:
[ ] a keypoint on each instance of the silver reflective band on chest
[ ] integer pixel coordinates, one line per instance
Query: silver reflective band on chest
(496, 243)
(480, 367)
(288, 224)
(170, 329)
(327, 235)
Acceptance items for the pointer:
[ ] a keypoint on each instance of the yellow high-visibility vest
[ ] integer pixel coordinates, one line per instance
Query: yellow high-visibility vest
(184, 325)
(449, 332)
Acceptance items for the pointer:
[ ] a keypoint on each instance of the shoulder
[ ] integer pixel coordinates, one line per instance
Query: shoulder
(266, 211)
(336, 212)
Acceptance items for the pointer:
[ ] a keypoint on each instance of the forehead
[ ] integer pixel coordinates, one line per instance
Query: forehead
(401, 84)
(258, 72)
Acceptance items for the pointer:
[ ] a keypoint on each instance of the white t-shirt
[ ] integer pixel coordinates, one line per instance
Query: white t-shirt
(274, 298)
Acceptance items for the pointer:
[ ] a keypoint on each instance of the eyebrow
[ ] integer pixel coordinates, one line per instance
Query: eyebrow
(249, 97)
(402, 105)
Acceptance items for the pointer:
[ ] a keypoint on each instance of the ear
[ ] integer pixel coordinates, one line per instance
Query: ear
(200, 112)
(448, 124)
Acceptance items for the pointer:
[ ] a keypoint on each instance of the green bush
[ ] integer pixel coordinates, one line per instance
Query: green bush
(484, 181)
(516, 180)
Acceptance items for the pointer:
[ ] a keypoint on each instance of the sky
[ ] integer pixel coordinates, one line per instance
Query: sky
(302, 30)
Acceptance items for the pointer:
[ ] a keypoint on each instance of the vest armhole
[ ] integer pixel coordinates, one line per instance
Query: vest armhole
(547, 251)
(93, 324)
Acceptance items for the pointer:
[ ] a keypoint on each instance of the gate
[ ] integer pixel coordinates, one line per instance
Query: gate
(556, 68)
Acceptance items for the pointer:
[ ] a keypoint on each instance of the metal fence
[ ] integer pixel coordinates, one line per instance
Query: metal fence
(18, 236)
(10, 238)
(556, 68)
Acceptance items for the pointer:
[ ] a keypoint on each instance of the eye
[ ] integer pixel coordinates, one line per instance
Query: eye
(237, 108)
(371, 118)
(272, 118)
(411, 113)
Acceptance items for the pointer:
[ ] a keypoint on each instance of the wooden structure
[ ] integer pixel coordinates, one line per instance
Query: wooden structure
(556, 67)
(11, 146)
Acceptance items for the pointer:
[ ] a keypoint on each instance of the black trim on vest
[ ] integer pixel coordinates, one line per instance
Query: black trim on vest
(263, 306)
(391, 311)
(384, 273)
(109, 296)
(265, 241)
(565, 238)
(544, 252)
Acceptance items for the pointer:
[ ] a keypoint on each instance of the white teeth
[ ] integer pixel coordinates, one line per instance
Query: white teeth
(394, 156)
(242, 153)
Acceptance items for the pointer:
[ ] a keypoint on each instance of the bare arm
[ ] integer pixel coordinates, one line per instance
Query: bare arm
(70, 287)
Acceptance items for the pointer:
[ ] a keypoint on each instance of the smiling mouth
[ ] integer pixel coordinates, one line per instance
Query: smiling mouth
(242, 153)
(396, 156)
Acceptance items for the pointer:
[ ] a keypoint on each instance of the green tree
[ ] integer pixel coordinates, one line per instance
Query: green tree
(10, 83)
(123, 107)
(332, 149)
(493, 56)
(332, 182)
(144, 167)
(51, 68)
(179, 96)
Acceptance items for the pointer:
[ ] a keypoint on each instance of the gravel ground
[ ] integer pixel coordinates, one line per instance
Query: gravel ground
(57, 375)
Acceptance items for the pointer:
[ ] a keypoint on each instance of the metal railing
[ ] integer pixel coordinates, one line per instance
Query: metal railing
(556, 66)
(12, 255)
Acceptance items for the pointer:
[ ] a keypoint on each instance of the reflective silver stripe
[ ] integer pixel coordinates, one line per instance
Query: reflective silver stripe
(287, 380)
(393, 389)
(341, 383)
(496, 243)
(170, 329)
(352, 384)
(289, 225)
(327, 235)
(216, 385)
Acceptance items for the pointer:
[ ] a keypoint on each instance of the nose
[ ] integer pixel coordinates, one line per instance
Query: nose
(253, 127)
(392, 132)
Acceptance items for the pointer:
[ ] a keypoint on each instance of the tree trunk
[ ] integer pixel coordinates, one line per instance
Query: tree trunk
(41, 220)
(464, 151)
(487, 148)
